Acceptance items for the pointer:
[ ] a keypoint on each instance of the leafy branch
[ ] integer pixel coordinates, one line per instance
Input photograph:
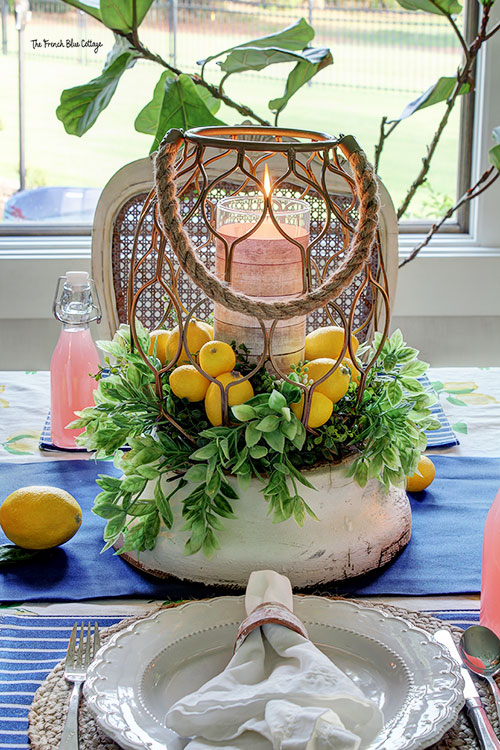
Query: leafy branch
(446, 89)
(182, 100)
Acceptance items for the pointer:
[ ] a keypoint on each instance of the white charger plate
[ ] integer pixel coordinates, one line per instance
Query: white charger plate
(142, 670)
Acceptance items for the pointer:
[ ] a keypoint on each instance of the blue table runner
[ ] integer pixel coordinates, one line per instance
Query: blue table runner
(443, 556)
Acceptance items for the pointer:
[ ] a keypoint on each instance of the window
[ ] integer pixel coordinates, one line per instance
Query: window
(384, 57)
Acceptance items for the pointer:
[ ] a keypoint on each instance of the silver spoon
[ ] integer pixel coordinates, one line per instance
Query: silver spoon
(480, 651)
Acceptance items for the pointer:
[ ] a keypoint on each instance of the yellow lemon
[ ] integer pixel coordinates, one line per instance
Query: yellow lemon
(354, 370)
(216, 357)
(416, 483)
(321, 410)
(333, 387)
(198, 334)
(208, 328)
(238, 394)
(161, 338)
(187, 382)
(327, 341)
(40, 517)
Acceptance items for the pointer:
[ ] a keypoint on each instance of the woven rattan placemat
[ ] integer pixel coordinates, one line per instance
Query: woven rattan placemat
(48, 710)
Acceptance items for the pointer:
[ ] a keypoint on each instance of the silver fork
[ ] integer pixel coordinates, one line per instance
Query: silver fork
(77, 661)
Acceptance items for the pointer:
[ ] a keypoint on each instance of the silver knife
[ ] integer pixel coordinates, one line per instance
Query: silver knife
(487, 737)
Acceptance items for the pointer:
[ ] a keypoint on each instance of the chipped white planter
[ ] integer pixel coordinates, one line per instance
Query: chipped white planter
(360, 529)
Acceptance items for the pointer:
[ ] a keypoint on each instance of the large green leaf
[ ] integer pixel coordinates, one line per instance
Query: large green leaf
(438, 92)
(441, 7)
(317, 59)
(119, 14)
(91, 7)
(294, 37)
(81, 106)
(255, 58)
(176, 103)
(147, 119)
(494, 153)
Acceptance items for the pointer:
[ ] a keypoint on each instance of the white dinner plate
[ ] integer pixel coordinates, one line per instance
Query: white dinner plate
(142, 670)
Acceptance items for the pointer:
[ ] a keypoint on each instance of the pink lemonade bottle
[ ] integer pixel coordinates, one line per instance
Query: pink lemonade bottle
(490, 572)
(75, 357)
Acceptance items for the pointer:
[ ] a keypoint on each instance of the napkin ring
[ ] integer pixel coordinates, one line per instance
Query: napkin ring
(265, 613)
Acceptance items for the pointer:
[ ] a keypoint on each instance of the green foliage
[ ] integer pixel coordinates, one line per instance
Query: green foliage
(11, 554)
(441, 7)
(494, 153)
(176, 103)
(91, 7)
(81, 106)
(314, 61)
(180, 100)
(384, 434)
(123, 15)
(438, 92)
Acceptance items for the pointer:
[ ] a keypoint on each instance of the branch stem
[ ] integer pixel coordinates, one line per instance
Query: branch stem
(480, 186)
(146, 54)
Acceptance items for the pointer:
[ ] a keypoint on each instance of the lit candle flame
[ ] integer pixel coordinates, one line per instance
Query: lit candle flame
(267, 181)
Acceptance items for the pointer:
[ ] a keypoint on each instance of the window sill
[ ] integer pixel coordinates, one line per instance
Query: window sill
(77, 246)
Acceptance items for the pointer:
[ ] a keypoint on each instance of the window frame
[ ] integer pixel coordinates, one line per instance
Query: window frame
(476, 228)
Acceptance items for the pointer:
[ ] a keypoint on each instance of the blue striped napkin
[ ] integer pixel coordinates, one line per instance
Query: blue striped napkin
(443, 438)
(31, 646)
(46, 444)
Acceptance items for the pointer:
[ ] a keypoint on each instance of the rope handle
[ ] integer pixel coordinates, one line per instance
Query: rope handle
(221, 291)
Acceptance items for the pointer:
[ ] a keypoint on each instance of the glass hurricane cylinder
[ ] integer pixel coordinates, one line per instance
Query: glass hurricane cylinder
(265, 261)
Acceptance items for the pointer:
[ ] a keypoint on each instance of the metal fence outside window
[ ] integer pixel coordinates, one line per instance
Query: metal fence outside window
(375, 43)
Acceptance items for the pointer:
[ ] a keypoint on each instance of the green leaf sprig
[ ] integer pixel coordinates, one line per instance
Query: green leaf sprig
(383, 432)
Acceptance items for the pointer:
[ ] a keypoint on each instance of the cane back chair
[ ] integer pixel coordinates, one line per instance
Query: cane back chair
(117, 215)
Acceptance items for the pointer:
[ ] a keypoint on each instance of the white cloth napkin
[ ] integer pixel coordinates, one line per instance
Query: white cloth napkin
(278, 691)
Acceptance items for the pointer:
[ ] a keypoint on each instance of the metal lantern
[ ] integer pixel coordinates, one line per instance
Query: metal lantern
(272, 231)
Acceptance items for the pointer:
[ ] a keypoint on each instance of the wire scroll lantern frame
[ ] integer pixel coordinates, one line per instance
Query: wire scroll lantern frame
(225, 162)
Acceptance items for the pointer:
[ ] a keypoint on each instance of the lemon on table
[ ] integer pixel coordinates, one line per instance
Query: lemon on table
(328, 341)
(335, 386)
(161, 338)
(321, 409)
(216, 357)
(236, 395)
(417, 483)
(40, 517)
(186, 382)
(198, 334)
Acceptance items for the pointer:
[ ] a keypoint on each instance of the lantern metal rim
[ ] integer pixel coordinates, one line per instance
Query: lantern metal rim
(224, 137)
(224, 204)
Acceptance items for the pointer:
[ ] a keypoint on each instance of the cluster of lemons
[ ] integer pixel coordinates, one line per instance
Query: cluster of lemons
(217, 359)
(323, 348)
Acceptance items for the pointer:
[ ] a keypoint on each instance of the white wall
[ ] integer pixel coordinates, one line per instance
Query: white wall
(447, 307)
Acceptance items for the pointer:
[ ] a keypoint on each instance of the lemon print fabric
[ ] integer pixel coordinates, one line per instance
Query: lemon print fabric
(4, 404)
(24, 443)
(464, 393)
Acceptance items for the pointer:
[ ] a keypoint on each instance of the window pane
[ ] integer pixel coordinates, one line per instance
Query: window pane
(384, 57)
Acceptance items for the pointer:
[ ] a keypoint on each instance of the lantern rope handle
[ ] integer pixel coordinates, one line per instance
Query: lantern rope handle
(221, 291)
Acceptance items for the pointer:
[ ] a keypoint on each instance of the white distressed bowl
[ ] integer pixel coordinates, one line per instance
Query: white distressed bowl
(360, 529)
